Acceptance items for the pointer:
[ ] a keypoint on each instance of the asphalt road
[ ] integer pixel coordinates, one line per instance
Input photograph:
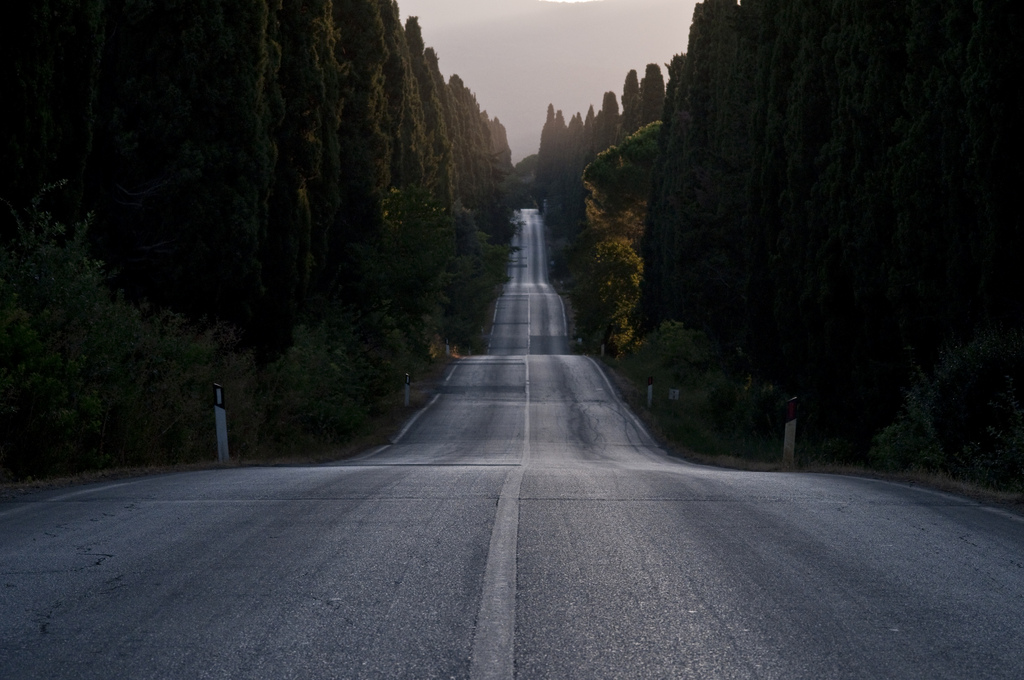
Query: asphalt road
(524, 524)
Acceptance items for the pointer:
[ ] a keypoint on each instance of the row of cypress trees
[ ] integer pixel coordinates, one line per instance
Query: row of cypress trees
(835, 195)
(285, 196)
(567, 148)
(236, 153)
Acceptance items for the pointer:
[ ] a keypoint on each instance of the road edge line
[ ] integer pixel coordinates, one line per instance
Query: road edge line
(642, 429)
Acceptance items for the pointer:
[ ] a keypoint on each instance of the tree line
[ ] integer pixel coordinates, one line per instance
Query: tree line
(282, 185)
(567, 148)
(832, 203)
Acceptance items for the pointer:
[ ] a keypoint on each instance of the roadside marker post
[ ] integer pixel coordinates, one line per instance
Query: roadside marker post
(406, 389)
(789, 445)
(447, 348)
(650, 391)
(220, 416)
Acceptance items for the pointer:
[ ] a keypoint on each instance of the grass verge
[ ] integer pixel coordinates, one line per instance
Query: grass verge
(382, 428)
(685, 430)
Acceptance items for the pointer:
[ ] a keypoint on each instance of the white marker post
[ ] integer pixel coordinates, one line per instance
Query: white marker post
(650, 391)
(602, 349)
(447, 348)
(406, 389)
(220, 416)
(789, 446)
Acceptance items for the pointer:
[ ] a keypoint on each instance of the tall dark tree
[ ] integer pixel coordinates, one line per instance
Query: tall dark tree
(447, 176)
(363, 144)
(549, 156)
(405, 118)
(437, 158)
(304, 195)
(51, 54)
(694, 240)
(607, 123)
(632, 106)
(499, 147)
(995, 104)
(652, 95)
(184, 155)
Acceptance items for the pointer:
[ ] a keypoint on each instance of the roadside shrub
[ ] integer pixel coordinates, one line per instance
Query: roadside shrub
(965, 418)
(317, 393)
(687, 352)
(88, 381)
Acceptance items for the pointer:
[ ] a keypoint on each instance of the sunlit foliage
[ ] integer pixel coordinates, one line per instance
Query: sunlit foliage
(605, 265)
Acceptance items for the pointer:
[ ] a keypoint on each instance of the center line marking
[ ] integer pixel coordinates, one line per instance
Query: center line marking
(494, 641)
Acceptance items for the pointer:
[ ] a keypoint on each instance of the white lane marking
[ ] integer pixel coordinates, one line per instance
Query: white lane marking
(494, 320)
(565, 323)
(494, 641)
(451, 373)
(398, 437)
(357, 459)
(409, 424)
(615, 394)
(529, 323)
(25, 505)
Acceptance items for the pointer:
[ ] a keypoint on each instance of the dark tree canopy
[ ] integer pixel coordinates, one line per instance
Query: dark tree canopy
(652, 95)
(833, 191)
(237, 153)
(632, 105)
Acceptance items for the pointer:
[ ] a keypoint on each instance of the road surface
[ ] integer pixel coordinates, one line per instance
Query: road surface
(523, 525)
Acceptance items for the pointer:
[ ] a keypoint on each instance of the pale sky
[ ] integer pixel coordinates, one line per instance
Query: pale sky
(520, 55)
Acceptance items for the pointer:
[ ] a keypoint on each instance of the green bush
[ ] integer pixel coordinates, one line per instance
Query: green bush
(88, 381)
(717, 413)
(965, 418)
(317, 393)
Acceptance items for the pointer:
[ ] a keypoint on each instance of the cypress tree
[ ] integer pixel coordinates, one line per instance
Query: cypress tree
(304, 193)
(324, 188)
(607, 123)
(995, 103)
(51, 54)
(652, 95)
(471, 145)
(363, 144)
(443, 145)
(405, 121)
(632, 106)
(695, 223)
(437, 160)
(499, 148)
(589, 125)
(184, 158)
(658, 246)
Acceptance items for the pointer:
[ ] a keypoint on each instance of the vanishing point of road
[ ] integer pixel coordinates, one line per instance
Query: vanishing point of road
(522, 525)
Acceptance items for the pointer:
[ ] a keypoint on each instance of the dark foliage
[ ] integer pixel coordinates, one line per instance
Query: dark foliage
(289, 183)
(834, 195)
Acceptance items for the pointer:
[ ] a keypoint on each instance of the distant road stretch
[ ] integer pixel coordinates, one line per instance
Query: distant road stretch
(524, 525)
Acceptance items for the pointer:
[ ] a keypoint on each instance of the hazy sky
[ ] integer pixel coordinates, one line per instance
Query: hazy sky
(520, 55)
